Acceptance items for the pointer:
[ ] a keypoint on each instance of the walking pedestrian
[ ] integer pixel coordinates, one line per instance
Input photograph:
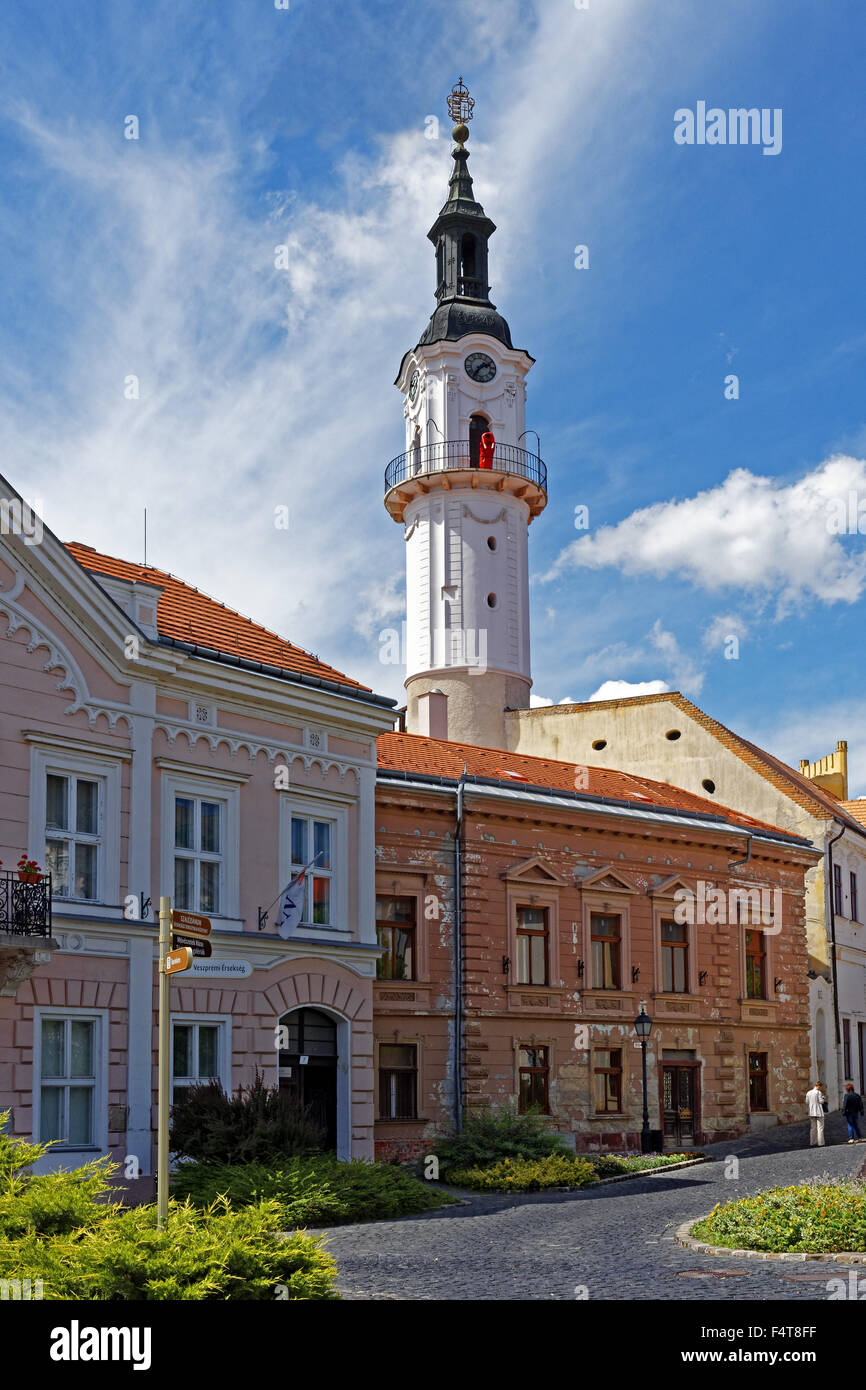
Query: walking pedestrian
(852, 1108)
(815, 1101)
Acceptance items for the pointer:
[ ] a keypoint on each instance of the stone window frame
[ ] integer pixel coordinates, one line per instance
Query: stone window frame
(522, 1040)
(408, 883)
(664, 905)
(187, 779)
(101, 1044)
(397, 1039)
(224, 1023)
(96, 764)
(534, 884)
(599, 898)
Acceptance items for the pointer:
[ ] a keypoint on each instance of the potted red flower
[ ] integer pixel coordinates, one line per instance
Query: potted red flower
(28, 870)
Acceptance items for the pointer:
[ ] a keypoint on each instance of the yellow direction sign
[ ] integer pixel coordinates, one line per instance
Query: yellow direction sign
(178, 960)
(190, 922)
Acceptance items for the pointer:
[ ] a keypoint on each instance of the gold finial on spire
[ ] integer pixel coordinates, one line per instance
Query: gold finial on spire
(460, 108)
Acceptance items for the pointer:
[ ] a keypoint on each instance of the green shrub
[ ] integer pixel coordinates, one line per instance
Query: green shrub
(527, 1174)
(58, 1229)
(489, 1136)
(255, 1125)
(812, 1219)
(319, 1191)
(207, 1256)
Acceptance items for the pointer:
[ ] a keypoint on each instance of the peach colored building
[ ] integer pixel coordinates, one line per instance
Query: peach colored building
(528, 909)
(152, 741)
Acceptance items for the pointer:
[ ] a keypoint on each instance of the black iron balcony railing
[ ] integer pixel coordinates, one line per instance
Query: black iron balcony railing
(452, 454)
(25, 908)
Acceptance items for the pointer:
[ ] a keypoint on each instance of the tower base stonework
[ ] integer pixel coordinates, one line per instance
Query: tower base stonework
(476, 704)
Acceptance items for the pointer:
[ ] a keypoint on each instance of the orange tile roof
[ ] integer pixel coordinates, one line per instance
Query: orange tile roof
(810, 795)
(857, 809)
(441, 758)
(187, 615)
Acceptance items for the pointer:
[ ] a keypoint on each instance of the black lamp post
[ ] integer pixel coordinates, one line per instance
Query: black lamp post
(643, 1027)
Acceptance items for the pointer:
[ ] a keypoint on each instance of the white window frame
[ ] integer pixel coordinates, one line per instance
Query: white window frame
(224, 1047)
(296, 804)
(198, 856)
(208, 786)
(105, 770)
(58, 1155)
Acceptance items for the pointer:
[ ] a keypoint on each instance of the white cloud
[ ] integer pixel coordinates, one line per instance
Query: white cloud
(751, 533)
(722, 627)
(621, 690)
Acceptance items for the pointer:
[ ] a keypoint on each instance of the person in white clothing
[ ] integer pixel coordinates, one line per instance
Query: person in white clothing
(815, 1102)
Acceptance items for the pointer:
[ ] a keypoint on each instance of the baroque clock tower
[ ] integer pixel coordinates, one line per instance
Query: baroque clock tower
(465, 490)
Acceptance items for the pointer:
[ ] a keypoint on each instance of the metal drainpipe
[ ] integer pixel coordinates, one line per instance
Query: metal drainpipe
(734, 863)
(832, 891)
(458, 959)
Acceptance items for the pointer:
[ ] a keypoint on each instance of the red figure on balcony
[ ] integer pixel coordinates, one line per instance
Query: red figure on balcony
(485, 452)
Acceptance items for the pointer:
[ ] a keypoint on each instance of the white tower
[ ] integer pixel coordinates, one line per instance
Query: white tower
(465, 525)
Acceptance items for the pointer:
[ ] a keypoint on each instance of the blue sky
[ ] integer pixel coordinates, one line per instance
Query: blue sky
(261, 387)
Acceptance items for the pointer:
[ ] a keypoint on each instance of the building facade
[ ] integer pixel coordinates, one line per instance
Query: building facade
(524, 925)
(667, 737)
(153, 742)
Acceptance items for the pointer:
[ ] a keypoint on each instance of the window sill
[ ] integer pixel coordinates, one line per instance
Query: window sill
(417, 1120)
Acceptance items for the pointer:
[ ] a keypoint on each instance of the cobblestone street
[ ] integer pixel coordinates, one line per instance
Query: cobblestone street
(617, 1241)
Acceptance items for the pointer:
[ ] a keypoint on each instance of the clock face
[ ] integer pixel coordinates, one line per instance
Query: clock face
(480, 367)
(413, 385)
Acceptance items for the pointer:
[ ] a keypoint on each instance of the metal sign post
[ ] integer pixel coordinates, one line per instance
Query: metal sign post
(163, 1068)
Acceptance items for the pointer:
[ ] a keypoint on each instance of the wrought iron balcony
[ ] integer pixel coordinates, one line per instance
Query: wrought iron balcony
(25, 908)
(455, 455)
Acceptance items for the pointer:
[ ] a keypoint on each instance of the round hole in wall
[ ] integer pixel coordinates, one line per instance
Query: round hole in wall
(708, 785)
(673, 734)
(492, 600)
(491, 542)
(599, 744)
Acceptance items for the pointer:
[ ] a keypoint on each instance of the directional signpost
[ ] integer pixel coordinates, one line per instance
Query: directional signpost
(181, 936)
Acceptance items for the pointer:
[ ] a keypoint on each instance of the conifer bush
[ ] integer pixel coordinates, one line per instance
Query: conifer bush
(254, 1125)
(61, 1229)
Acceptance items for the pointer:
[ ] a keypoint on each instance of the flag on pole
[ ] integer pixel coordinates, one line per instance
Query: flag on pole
(291, 907)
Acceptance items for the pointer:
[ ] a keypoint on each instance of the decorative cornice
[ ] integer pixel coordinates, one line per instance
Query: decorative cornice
(214, 737)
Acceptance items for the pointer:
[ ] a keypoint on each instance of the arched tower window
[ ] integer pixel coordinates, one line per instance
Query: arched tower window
(467, 257)
(440, 261)
(477, 425)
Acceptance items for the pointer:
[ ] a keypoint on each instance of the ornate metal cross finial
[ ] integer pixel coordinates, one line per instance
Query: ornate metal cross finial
(460, 108)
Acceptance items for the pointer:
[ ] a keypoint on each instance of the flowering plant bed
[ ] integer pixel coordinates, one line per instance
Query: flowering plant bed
(813, 1218)
(558, 1170)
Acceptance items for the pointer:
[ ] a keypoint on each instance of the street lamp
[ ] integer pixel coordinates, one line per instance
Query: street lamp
(643, 1027)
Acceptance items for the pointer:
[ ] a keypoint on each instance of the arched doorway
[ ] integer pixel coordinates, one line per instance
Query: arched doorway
(308, 1067)
(477, 425)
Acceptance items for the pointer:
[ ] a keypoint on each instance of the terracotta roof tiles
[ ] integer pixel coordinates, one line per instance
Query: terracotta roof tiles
(439, 757)
(188, 615)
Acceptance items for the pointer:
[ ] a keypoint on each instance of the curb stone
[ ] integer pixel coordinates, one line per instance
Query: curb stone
(684, 1238)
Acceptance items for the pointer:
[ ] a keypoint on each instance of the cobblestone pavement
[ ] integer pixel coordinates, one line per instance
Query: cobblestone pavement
(617, 1241)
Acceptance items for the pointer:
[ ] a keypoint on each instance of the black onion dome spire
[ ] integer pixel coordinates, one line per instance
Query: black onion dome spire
(460, 234)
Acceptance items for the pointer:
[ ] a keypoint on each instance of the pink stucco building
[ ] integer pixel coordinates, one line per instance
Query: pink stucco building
(153, 741)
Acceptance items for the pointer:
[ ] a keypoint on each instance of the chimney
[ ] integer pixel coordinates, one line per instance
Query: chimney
(433, 714)
(831, 772)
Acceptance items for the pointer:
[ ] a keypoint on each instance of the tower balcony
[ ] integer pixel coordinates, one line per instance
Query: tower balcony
(448, 463)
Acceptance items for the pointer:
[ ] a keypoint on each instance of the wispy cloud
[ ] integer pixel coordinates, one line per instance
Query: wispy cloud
(751, 533)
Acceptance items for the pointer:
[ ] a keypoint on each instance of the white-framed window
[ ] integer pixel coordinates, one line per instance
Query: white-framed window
(74, 817)
(312, 839)
(201, 839)
(199, 1053)
(74, 831)
(199, 847)
(69, 1080)
(311, 826)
